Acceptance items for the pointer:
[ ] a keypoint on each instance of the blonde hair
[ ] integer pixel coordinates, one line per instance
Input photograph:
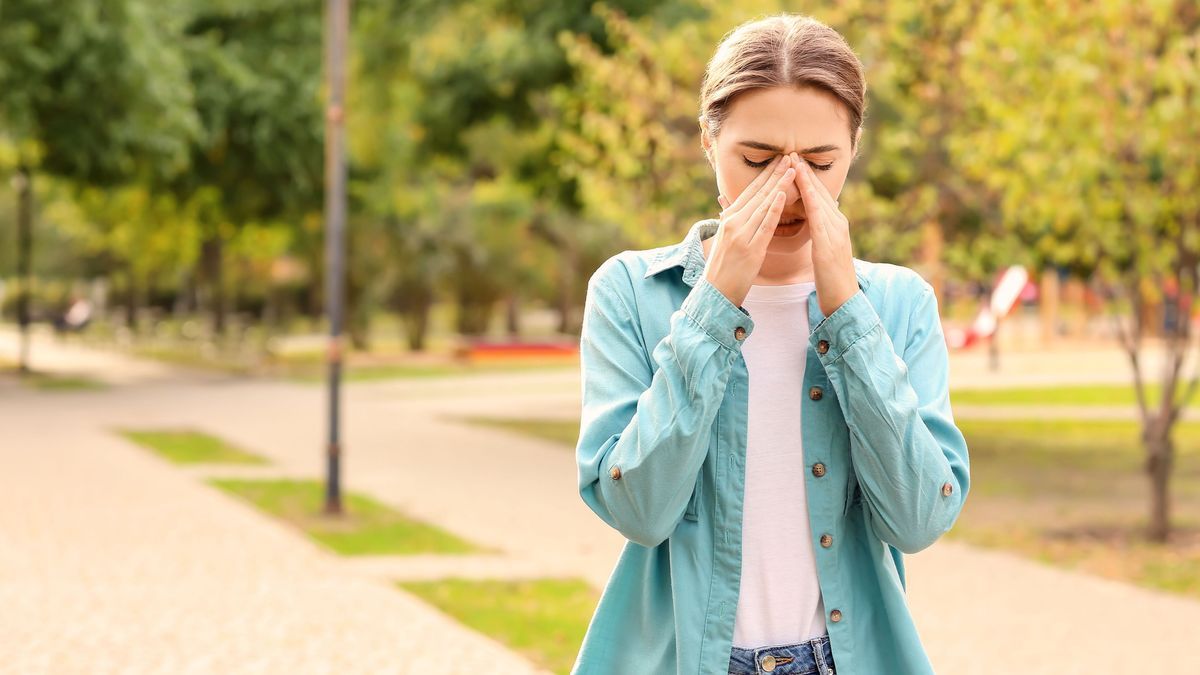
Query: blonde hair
(782, 50)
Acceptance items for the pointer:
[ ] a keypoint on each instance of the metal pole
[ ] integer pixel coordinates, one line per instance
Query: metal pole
(337, 18)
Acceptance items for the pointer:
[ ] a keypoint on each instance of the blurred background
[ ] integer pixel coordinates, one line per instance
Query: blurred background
(166, 476)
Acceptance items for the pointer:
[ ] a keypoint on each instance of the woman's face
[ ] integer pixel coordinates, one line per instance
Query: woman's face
(764, 123)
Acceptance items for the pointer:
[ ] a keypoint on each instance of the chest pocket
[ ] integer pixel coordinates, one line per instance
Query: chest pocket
(693, 505)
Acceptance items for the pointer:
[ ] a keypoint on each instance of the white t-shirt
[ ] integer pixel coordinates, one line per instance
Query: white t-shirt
(780, 599)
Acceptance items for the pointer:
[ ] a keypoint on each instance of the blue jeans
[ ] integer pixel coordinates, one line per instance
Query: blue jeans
(813, 657)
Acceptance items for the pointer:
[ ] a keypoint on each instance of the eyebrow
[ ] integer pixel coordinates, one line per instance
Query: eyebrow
(758, 145)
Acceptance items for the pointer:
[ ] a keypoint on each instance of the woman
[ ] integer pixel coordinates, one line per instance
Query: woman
(766, 417)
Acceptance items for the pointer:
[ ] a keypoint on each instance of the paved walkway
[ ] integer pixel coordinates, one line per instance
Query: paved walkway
(113, 560)
(110, 557)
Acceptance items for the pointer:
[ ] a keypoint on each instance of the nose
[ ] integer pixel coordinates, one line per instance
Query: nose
(791, 198)
(791, 190)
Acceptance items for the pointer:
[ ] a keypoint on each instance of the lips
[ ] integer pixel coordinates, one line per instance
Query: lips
(792, 220)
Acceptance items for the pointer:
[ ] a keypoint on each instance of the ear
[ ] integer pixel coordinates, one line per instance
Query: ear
(706, 141)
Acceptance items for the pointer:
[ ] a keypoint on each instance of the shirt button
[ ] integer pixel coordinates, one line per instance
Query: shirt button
(739, 333)
(822, 346)
(615, 472)
(826, 540)
(947, 488)
(835, 616)
(818, 469)
(815, 393)
(768, 663)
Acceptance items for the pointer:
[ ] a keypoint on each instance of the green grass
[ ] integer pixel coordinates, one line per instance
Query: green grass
(1098, 394)
(1075, 494)
(366, 528)
(1071, 493)
(543, 619)
(186, 446)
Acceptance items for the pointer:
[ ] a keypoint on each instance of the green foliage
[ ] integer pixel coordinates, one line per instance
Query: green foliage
(95, 90)
(501, 150)
(1072, 149)
(366, 528)
(627, 128)
(255, 68)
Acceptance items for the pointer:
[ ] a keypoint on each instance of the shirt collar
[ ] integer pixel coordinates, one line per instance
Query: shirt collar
(689, 254)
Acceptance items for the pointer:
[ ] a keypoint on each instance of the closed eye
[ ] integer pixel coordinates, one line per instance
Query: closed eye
(759, 165)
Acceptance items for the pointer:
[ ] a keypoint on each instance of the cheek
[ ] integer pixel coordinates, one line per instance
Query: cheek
(733, 177)
(832, 183)
(834, 180)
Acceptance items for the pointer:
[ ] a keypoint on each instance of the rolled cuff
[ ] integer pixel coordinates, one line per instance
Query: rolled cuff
(708, 307)
(854, 319)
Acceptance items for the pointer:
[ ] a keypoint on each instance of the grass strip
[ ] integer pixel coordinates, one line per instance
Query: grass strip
(542, 619)
(188, 446)
(366, 527)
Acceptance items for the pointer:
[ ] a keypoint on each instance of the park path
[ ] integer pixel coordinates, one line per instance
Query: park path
(98, 535)
(115, 561)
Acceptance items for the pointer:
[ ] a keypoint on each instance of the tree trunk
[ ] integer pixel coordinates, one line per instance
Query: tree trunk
(566, 289)
(1077, 301)
(416, 320)
(24, 185)
(182, 304)
(932, 242)
(1160, 452)
(513, 315)
(474, 313)
(1048, 305)
(1151, 317)
(131, 303)
(211, 252)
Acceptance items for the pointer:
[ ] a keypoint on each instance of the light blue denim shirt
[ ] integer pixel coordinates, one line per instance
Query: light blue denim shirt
(662, 455)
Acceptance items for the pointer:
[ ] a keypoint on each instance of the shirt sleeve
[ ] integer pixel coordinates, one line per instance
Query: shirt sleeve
(644, 433)
(910, 459)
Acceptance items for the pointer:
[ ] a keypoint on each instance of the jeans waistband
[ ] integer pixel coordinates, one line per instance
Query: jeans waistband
(812, 657)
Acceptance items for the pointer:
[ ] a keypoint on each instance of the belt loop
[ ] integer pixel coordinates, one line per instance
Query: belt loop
(819, 654)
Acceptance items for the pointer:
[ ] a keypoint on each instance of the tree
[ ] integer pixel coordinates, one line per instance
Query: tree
(255, 68)
(1089, 151)
(95, 92)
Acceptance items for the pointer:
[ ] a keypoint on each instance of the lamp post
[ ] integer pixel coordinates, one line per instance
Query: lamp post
(337, 19)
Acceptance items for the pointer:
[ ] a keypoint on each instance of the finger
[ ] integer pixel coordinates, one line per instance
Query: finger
(770, 220)
(814, 202)
(762, 200)
(822, 191)
(752, 190)
(722, 201)
(820, 215)
(814, 210)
